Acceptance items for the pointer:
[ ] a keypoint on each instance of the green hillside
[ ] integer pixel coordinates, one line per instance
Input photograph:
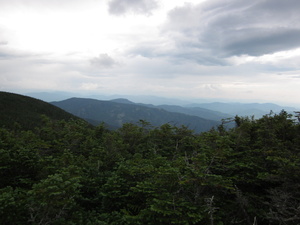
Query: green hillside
(19, 110)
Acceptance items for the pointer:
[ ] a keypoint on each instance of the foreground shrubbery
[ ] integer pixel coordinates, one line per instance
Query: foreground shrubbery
(70, 173)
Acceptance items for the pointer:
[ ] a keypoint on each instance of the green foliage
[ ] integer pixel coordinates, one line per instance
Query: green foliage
(66, 172)
(13, 208)
(53, 199)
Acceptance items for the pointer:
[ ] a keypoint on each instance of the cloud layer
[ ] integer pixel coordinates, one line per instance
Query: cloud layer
(231, 49)
(103, 61)
(121, 7)
(225, 28)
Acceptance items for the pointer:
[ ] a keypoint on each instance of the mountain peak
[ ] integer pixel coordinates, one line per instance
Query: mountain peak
(122, 100)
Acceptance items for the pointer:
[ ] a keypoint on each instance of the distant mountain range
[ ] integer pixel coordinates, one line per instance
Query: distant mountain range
(24, 112)
(199, 117)
(244, 109)
(59, 96)
(188, 107)
(217, 110)
(117, 112)
(192, 111)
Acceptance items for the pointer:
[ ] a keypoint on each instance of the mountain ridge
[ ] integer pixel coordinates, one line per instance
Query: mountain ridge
(244, 109)
(227, 107)
(116, 114)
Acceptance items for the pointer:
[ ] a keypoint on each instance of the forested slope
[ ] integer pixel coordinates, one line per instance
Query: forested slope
(66, 172)
(27, 112)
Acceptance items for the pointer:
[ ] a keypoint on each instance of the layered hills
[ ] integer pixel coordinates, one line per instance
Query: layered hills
(198, 107)
(116, 113)
(26, 111)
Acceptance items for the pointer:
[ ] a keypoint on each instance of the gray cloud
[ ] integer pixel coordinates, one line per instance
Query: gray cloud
(223, 28)
(258, 42)
(9, 53)
(121, 7)
(103, 61)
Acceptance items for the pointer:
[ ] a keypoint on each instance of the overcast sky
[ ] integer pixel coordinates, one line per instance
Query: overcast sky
(215, 49)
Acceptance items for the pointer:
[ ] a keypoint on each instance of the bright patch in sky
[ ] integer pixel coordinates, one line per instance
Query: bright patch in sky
(215, 49)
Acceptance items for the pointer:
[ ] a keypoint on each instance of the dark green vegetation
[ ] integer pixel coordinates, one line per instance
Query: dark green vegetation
(67, 172)
(115, 114)
(25, 111)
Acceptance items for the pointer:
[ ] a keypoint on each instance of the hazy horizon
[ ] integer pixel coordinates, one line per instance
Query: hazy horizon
(145, 99)
(209, 50)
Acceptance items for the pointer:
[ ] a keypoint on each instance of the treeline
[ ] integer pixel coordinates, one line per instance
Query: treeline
(67, 172)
